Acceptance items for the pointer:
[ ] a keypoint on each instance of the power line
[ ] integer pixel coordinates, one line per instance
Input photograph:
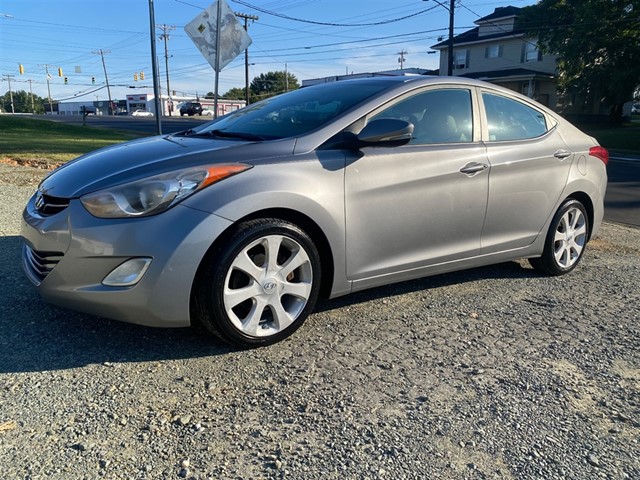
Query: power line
(330, 24)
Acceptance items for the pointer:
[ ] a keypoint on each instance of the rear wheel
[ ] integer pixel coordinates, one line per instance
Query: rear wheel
(566, 240)
(260, 285)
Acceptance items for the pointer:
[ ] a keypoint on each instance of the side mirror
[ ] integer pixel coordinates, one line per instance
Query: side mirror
(385, 132)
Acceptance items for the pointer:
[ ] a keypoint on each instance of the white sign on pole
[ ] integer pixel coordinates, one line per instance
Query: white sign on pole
(233, 37)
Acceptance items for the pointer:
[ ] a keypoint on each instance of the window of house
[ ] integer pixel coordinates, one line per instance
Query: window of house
(438, 116)
(530, 52)
(461, 59)
(509, 119)
(493, 51)
(528, 88)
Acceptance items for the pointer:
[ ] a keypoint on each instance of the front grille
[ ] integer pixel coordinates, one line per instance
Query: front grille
(40, 264)
(47, 205)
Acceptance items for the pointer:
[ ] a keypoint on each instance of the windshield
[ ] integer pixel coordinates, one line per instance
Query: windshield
(294, 113)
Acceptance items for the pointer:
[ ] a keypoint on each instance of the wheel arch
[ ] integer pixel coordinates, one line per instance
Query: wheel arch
(297, 218)
(585, 200)
(314, 231)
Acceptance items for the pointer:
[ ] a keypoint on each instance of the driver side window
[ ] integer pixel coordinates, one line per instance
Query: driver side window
(438, 116)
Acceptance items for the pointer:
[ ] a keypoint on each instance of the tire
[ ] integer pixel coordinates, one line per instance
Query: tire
(566, 240)
(260, 285)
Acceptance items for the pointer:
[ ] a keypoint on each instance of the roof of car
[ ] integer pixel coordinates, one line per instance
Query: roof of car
(405, 79)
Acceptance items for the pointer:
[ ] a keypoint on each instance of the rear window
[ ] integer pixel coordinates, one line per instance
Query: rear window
(509, 119)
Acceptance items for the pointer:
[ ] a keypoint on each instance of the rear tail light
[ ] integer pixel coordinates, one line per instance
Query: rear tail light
(601, 153)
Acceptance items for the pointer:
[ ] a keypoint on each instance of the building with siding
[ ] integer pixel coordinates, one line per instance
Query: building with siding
(500, 52)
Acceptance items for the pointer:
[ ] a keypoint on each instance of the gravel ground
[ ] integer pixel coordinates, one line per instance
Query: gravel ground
(491, 373)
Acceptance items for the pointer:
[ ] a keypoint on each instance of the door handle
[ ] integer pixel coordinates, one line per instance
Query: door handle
(473, 167)
(562, 154)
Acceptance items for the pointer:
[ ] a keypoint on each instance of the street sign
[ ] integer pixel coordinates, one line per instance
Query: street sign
(233, 37)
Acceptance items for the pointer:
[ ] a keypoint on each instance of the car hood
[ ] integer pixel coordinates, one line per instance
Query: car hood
(138, 159)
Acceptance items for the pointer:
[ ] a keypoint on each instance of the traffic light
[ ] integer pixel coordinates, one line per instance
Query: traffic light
(135, 77)
(66, 80)
(60, 72)
(93, 80)
(21, 69)
(141, 75)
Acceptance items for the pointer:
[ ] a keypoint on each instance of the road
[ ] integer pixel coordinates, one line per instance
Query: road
(622, 201)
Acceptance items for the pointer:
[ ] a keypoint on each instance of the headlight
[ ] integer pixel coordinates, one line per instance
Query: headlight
(155, 194)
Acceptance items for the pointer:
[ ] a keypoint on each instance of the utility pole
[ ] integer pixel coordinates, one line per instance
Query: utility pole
(46, 69)
(286, 78)
(33, 106)
(451, 9)
(402, 53)
(9, 77)
(156, 83)
(246, 17)
(165, 36)
(452, 6)
(102, 53)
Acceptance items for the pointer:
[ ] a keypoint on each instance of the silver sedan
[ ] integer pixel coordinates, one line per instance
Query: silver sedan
(243, 222)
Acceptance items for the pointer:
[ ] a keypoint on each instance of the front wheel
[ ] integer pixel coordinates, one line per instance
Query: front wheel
(566, 240)
(260, 285)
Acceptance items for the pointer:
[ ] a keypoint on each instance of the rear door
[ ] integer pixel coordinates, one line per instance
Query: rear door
(412, 206)
(529, 169)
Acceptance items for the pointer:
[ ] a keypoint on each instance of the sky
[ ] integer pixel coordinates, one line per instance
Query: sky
(308, 38)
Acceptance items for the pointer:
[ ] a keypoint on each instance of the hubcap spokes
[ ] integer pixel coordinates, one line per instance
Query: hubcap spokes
(268, 285)
(570, 238)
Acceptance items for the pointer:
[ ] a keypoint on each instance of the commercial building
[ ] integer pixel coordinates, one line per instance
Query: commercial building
(145, 101)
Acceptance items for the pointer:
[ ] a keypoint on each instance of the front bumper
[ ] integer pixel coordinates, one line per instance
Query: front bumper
(67, 255)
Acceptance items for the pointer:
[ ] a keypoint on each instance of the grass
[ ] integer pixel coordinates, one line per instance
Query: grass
(622, 138)
(45, 144)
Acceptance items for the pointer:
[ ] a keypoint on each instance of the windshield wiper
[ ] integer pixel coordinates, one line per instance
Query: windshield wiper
(241, 135)
(185, 133)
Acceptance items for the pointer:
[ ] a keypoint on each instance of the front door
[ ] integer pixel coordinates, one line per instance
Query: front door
(423, 203)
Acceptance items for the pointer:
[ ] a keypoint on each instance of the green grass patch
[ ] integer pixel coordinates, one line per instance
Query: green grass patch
(28, 140)
(620, 138)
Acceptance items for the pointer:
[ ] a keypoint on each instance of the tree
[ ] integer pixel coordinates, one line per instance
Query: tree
(272, 83)
(598, 47)
(22, 102)
(235, 94)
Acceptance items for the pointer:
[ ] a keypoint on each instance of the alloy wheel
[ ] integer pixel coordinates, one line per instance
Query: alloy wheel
(267, 285)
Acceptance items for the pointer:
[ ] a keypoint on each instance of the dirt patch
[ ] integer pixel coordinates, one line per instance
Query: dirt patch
(17, 175)
(605, 245)
(38, 163)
